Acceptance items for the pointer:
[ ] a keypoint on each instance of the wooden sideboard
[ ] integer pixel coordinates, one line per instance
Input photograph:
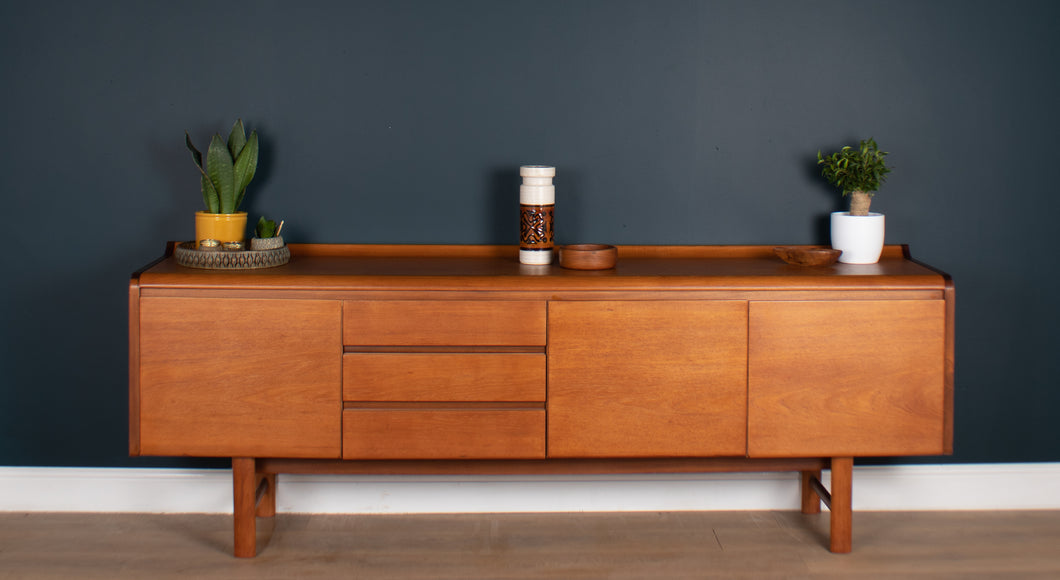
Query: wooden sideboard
(365, 359)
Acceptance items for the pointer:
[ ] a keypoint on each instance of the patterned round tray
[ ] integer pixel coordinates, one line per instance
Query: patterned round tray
(186, 255)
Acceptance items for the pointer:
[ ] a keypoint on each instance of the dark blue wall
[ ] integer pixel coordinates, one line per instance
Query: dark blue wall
(670, 122)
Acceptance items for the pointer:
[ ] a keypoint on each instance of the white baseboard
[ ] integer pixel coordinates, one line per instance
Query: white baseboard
(1010, 486)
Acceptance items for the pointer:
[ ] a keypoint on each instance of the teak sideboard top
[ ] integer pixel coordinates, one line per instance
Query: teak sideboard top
(450, 359)
(348, 267)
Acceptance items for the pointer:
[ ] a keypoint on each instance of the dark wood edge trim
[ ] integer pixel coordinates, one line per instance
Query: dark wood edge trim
(538, 467)
(949, 349)
(950, 362)
(947, 279)
(552, 295)
(134, 367)
(949, 295)
(168, 253)
(443, 406)
(443, 350)
(134, 350)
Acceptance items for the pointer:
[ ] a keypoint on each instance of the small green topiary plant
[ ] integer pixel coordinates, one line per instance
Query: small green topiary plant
(858, 172)
(229, 168)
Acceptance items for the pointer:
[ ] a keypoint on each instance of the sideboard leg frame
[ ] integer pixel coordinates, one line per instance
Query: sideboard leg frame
(811, 499)
(254, 495)
(842, 522)
(838, 500)
(266, 495)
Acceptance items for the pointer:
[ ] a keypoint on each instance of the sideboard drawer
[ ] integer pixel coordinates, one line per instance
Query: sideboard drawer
(443, 323)
(454, 433)
(443, 377)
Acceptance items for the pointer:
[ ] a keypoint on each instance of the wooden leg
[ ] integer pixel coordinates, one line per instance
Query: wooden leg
(811, 502)
(842, 522)
(244, 484)
(267, 494)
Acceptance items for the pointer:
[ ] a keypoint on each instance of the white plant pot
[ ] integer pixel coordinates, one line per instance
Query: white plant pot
(859, 237)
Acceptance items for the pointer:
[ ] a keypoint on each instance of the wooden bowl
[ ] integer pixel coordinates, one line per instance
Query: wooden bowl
(588, 256)
(807, 255)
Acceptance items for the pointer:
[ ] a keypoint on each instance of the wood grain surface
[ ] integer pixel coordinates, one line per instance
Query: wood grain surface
(366, 268)
(240, 377)
(418, 358)
(443, 433)
(647, 379)
(852, 378)
(724, 545)
(443, 322)
(443, 377)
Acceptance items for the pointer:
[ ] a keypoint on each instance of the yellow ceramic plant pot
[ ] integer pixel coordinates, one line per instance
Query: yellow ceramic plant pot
(223, 227)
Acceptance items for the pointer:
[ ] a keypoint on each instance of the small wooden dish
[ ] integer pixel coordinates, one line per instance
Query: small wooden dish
(807, 255)
(588, 256)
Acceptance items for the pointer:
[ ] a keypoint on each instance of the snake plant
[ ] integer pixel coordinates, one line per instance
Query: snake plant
(229, 168)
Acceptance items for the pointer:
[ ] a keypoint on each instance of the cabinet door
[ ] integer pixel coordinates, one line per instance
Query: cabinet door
(846, 378)
(647, 378)
(232, 377)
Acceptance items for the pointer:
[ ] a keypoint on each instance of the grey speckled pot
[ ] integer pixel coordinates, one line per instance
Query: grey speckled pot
(266, 243)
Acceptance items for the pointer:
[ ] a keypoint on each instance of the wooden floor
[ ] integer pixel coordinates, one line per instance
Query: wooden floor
(668, 545)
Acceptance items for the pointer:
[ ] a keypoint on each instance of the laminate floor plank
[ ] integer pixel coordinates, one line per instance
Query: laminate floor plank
(670, 545)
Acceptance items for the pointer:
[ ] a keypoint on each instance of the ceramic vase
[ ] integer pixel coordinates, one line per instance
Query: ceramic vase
(537, 200)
